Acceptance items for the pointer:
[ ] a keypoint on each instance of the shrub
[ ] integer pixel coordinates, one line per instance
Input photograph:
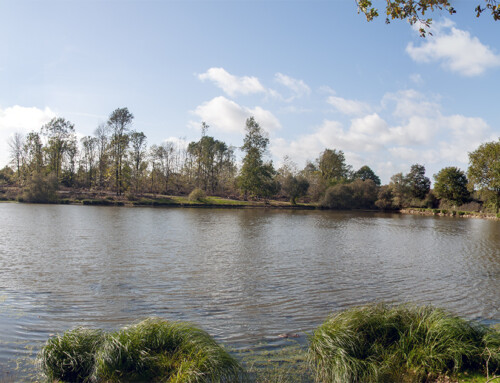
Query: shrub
(197, 195)
(70, 357)
(378, 343)
(41, 189)
(385, 198)
(130, 196)
(337, 197)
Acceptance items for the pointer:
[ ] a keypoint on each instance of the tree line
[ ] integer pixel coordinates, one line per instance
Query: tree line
(117, 159)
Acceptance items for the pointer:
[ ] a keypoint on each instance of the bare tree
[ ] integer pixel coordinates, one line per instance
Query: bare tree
(16, 144)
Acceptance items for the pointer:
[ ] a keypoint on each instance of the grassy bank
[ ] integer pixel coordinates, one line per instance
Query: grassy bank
(101, 198)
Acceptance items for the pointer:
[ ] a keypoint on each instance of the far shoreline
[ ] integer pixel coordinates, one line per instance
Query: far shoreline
(104, 198)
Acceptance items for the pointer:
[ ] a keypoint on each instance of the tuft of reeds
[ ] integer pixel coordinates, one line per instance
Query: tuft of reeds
(153, 350)
(405, 343)
(159, 350)
(70, 357)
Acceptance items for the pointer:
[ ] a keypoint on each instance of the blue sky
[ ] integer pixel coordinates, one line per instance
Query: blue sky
(314, 74)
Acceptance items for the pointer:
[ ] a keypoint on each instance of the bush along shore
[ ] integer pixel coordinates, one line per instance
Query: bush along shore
(375, 343)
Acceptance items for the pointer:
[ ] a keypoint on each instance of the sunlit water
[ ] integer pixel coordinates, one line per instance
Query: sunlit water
(245, 276)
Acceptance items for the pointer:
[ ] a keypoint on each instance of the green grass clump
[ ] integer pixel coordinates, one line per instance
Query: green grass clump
(158, 350)
(197, 195)
(153, 350)
(70, 357)
(404, 343)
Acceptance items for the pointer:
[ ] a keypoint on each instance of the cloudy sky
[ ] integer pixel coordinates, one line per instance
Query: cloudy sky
(313, 73)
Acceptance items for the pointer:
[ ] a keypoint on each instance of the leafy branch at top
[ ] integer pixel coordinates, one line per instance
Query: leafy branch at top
(415, 11)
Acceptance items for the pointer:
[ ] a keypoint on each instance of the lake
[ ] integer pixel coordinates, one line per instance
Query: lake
(245, 276)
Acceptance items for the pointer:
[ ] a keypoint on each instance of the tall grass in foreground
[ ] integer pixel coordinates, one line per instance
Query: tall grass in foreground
(153, 350)
(404, 343)
(70, 357)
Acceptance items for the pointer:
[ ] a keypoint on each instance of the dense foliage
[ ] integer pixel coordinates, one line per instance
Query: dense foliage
(117, 159)
(484, 171)
(451, 184)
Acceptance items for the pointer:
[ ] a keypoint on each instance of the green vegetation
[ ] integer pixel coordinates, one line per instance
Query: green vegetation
(152, 350)
(484, 172)
(71, 357)
(451, 184)
(375, 343)
(379, 343)
(256, 177)
(197, 195)
(49, 165)
(288, 364)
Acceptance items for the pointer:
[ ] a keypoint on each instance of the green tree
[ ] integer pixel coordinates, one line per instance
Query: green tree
(119, 122)
(451, 184)
(138, 155)
(419, 185)
(332, 166)
(256, 177)
(484, 171)
(162, 163)
(364, 193)
(400, 190)
(7, 175)
(213, 159)
(33, 149)
(366, 173)
(61, 139)
(415, 10)
(385, 198)
(294, 187)
(338, 197)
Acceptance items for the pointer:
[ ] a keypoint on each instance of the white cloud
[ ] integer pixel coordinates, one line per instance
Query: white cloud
(416, 78)
(22, 120)
(456, 49)
(349, 107)
(466, 134)
(230, 84)
(178, 142)
(408, 103)
(418, 132)
(295, 109)
(412, 155)
(228, 116)
(298, 87)
(363, 136)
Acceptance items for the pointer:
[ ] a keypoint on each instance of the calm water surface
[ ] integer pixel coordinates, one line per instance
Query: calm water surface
(245, 276)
